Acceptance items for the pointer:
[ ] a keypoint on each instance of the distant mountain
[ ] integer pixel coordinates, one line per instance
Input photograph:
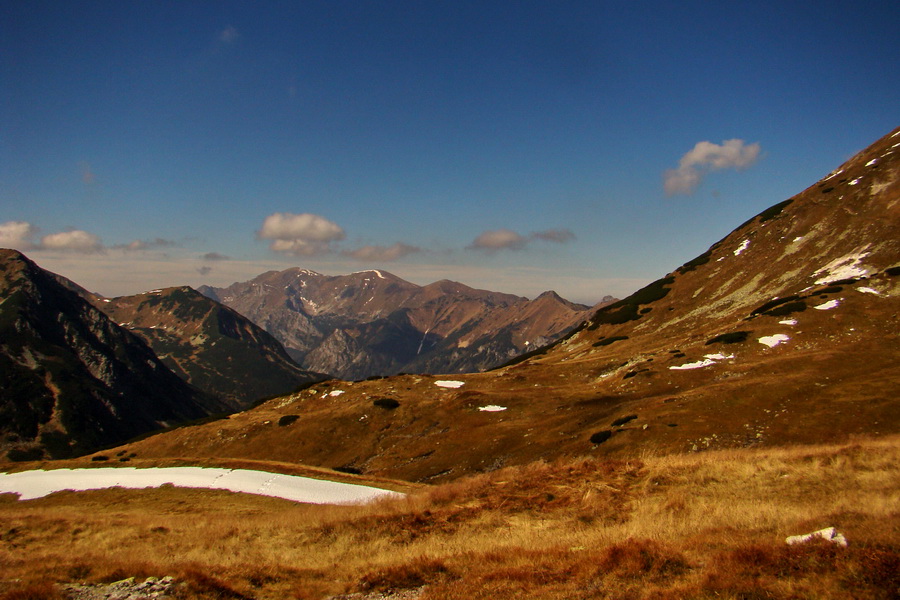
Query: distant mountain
(375, 323)
(71, 380)
(208, 344)
(786, 331)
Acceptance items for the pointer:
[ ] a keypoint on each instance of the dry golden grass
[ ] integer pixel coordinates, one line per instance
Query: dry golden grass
(703, 525)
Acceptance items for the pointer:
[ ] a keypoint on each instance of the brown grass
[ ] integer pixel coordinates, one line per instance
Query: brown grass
(702, 525)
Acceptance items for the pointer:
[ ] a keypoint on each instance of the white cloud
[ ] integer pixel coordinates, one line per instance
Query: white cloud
(72, 241)
(17, 235)
(300, 234)
(382, 253)
(704, 157)
(506, 239)
(499, 239)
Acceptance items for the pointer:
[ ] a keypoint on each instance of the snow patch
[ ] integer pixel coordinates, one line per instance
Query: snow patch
(828, 305)
(708, 359)
(491, 408)
(444, 383)
(871, 162)
(788, 322)
(694, 365)
(37, 484)
(773, 340)
(845, 267)
(833, 174)
(744, 245)
(855, 181)
(335, 393)
(868, 290)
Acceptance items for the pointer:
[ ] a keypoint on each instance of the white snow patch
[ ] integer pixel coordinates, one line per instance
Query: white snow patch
(694, 365)
(845, 267)
(708, 359)
(107, 300)
(335, 393)
(491, 408)
(871, 162)
(798, 238)
(788, 322)
(828, 305)
(868, 290)
(449, 384)
(773, 340)
(855, 181)
(833, 173)
(744, 245)
(37, 484)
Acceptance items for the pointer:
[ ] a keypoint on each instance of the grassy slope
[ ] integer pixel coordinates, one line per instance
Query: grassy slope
(700, 525)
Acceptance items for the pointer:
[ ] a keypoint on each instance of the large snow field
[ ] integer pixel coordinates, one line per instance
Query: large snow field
(37, 484)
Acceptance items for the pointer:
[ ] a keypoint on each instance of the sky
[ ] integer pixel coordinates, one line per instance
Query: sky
(583, 147)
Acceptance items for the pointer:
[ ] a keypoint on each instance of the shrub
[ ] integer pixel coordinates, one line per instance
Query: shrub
(601, 436)
(287, 420)
(386, 403)
(622, 420)
(734, 337)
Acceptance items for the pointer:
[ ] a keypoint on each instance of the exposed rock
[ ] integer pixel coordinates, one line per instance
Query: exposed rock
(126, 589)
(829, 534)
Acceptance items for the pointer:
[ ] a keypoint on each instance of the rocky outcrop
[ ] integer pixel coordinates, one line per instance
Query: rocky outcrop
(126, 589)
(374, 323)
(71, 380)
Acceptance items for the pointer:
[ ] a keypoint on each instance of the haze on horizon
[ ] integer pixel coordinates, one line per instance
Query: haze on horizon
(585, 147)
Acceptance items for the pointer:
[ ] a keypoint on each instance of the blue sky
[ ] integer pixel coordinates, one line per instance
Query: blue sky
(586, 147)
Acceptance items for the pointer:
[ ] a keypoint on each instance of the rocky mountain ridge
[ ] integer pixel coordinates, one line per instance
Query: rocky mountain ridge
(71, 379)
(209, 345)
(375, 323)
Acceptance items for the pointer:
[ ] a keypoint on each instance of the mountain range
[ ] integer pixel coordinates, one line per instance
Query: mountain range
(784, 332)
(373, 323)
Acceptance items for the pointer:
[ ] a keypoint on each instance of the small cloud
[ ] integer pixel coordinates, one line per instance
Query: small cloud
(560, 236)
(300, 234)
(229, 35)
(214, 256)
(17, 235)
(204, 270)
(141, 245)
(706, 157)
(499, 239)
(382, 253)
(76, 240)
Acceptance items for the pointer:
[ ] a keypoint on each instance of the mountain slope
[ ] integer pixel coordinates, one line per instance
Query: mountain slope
(209, 345)
(374, 323)
(784, 332)
(70, 379)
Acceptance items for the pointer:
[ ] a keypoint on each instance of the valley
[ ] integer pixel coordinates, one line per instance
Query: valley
(664, 445)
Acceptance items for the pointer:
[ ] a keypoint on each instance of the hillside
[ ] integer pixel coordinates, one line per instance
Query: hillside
(375, 323)
(70, 379)
(209, 345)
(784, 332)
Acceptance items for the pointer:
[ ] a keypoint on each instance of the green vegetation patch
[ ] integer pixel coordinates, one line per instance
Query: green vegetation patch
(765, 308)
(734, 337)
(609, 340)
(626, 310)
(774, 211)
(693, 264)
